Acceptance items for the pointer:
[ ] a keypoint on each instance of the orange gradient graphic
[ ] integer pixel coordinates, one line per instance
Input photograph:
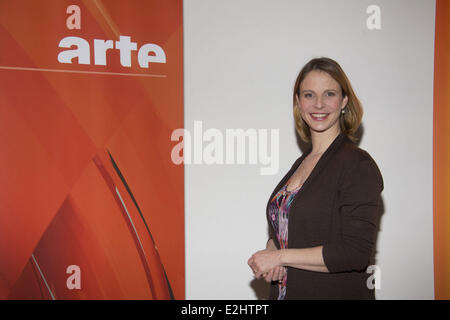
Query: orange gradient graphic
(441, 156)
(87, 177)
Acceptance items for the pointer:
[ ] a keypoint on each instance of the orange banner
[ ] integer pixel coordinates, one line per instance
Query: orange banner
(441, 150)
(91, 205)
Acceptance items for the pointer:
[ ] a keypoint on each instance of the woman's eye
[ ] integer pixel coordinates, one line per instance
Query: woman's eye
(307, 95)
(331, 94)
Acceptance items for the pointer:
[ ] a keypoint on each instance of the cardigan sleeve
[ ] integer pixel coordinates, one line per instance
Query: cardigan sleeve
(359, 217)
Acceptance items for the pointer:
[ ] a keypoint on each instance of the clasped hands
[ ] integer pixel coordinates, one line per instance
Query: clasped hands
(266, 264)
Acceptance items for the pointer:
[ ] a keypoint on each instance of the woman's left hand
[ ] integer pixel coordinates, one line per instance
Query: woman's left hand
(276, 274)
(263, 261)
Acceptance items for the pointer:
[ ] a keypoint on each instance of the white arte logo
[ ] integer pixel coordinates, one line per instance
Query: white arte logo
(228, 148)
(80, 49)
(148, 53)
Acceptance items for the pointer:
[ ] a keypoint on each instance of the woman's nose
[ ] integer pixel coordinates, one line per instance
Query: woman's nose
(319, 103)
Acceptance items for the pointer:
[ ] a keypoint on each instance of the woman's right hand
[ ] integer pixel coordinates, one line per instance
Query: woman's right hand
(277, 273)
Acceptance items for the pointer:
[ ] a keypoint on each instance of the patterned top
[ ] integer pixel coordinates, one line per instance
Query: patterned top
(279, 216)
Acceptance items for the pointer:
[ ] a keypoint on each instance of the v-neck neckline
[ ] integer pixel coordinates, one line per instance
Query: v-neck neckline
(317, 168)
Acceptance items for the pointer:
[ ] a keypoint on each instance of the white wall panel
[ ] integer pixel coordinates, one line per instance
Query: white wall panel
(241, 60)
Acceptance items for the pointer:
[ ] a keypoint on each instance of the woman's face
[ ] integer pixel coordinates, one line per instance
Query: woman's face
(320, 102)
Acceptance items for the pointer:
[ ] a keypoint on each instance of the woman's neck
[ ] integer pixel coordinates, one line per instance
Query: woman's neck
(321, 141)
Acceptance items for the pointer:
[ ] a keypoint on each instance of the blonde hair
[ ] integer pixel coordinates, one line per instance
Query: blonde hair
(351, 119)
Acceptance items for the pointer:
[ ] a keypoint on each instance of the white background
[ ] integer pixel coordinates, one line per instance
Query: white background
(241, 61)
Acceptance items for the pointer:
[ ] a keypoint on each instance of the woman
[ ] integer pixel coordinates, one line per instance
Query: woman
(323, 215)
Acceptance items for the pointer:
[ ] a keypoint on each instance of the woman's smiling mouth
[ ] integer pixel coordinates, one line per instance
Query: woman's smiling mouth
(319, 116)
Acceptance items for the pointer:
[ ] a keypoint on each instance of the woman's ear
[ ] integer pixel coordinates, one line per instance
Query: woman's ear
(344, 102)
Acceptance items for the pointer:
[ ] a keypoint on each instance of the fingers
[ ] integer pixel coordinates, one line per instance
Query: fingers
(252, 265)
(260, 274)
(269, 275)
(263, 266)
(261, 262)
(275, 274)
(278, 274)
(281, 271)
(256, 267)
(257, 271)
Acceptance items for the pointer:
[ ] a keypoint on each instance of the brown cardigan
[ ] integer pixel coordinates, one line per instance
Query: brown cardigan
(337, 207)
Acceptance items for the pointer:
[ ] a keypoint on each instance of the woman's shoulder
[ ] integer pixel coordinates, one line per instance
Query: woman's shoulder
(356, 159)
(353, 153)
